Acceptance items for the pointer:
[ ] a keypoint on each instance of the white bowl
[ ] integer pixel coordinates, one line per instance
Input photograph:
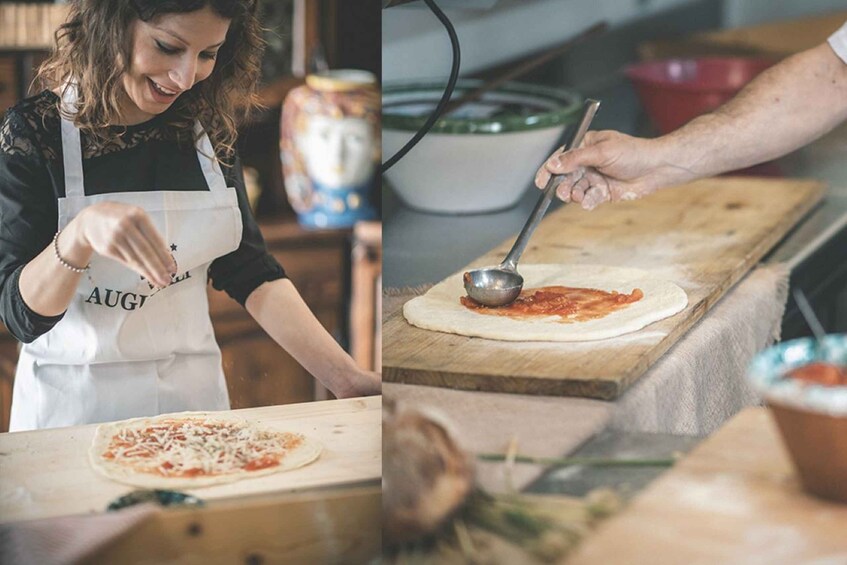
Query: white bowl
(481, 157)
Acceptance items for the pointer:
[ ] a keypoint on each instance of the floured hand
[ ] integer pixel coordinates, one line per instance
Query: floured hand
(608, 167)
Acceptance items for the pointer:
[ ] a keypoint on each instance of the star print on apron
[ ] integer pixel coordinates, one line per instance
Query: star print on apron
(124, 349)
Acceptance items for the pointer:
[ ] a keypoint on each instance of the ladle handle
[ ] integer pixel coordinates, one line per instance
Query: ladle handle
(511, 261)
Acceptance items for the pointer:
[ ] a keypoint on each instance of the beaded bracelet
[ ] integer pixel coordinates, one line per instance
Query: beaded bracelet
(62, 261)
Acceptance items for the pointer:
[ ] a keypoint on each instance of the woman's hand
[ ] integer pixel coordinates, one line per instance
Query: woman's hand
(280, 310)
(118, 231)
(609, 166)
(126, 234)
(360, 383)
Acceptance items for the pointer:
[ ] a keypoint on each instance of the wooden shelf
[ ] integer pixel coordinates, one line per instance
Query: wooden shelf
(30, 26)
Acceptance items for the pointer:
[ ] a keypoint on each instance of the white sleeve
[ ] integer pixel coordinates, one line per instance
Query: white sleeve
(838, 42)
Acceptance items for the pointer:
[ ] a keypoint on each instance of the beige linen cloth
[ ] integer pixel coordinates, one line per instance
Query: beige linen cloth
(68, 539)
(695, 387)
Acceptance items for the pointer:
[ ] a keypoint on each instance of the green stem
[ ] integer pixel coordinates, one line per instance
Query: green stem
(586, 461)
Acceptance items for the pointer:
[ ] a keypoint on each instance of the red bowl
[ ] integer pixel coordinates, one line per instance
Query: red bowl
(674, 91)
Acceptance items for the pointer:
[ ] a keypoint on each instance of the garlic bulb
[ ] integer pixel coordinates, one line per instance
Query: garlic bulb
(426, 477)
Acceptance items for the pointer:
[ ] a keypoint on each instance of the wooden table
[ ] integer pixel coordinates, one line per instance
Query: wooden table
(46, 473)
(735, 499)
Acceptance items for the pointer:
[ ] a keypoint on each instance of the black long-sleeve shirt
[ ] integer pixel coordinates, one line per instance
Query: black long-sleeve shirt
(147, 158)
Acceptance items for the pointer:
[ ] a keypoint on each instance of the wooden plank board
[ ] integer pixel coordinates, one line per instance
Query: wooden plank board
(46, 473)
(705, 236)
(327, 527)
(735, 499)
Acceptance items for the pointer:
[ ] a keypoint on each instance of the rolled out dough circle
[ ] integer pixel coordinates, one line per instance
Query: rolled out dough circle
(439, 309)
(305, 453)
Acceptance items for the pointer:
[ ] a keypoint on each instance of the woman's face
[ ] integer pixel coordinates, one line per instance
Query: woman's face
(170, 54)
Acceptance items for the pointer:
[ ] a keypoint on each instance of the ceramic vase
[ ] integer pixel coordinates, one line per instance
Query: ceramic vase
(329, 148)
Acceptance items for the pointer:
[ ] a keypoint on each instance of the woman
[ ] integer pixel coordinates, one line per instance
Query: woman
(119, 192)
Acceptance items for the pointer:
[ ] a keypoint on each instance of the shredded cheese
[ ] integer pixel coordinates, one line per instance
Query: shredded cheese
(190, 447)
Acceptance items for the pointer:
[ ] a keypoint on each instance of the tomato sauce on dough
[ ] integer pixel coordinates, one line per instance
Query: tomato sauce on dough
(169, 440)
(570, 304)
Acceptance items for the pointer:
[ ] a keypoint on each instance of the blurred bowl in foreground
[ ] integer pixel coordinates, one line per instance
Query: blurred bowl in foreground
(479, 158)
(811, 417)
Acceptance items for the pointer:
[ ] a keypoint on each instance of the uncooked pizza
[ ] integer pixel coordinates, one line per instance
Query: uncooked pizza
(558, 303)
(194, 449)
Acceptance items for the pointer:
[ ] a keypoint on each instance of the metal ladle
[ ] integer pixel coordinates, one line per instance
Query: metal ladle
(501, 285)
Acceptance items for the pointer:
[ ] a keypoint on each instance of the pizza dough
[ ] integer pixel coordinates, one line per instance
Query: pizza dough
(439, 309)
(203, 452)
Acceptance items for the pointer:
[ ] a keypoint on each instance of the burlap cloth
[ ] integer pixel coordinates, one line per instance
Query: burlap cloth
(695, 387)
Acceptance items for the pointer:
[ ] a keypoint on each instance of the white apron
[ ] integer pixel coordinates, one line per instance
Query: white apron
(124, 349)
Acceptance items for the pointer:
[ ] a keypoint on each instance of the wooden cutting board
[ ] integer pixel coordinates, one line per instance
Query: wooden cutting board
(46, 473)
(734, 499)
(704, 236)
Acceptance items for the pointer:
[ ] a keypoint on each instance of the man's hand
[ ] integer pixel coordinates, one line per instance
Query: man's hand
(609, 166)
(783, 108)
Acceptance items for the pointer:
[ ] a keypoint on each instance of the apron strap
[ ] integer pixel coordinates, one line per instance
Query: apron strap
(208, 161)
(72, 152)
(71, 146)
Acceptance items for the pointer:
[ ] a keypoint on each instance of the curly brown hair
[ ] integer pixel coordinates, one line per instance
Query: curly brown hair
(94, 47)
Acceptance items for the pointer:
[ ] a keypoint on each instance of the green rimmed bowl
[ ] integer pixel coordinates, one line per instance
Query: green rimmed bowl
(811, 418)
(480, 158)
